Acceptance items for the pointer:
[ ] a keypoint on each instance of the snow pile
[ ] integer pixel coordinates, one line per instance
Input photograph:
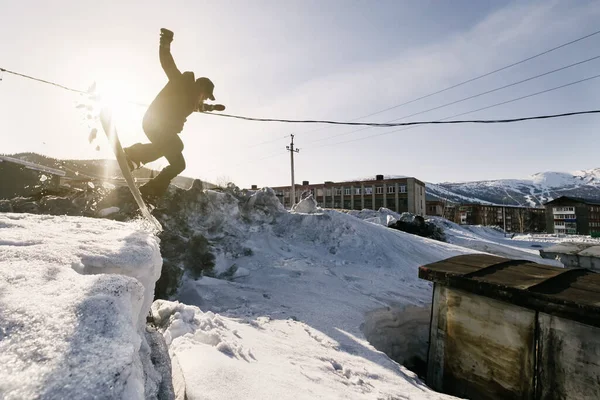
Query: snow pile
(266, 358)
(297, 303)
(74, 294)
(384, 216)
(308, 205)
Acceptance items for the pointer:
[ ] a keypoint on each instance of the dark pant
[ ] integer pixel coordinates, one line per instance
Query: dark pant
(162, 144)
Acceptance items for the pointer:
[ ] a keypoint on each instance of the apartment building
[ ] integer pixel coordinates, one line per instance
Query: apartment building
(515, 218)
(398, 194)
(573, 216)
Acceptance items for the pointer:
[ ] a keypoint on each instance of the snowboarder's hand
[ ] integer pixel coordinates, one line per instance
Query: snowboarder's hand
(211, 107)
(166, 37)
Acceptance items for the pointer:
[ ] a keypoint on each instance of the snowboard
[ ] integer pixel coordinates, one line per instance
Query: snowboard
(111, 132)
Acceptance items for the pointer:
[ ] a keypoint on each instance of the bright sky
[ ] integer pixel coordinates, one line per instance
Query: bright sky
(313, 60)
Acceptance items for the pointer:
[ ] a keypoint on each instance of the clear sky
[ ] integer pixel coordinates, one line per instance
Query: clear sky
(324, 59)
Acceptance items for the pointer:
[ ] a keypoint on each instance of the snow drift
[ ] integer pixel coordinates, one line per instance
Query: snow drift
(74, 295)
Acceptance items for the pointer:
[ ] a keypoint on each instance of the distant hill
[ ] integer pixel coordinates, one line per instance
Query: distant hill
(535, 191)
(94, 169)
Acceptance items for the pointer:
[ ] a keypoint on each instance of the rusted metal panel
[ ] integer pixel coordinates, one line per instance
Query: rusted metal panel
(568, 359)
(568, 293)
(480, 348)
(516, 274)
(460, 265)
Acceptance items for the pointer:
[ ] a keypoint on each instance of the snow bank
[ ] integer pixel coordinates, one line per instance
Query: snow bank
(265, 358)
(292, 325)
(74, 294)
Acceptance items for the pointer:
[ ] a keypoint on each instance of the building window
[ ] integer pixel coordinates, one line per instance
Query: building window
(328, 192)
(556, 210)
(347, 191)
(402, 189)
(379, 189)
(338, 191)
(391, 189)
(368, 190)
(356, 190)
(320, 192)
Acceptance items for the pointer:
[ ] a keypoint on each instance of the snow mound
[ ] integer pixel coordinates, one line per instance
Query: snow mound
(74, 294)
(383, 216)
(308, 205)
(266, 358)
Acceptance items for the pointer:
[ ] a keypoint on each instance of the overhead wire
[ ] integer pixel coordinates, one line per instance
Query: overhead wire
(390, 123)
(476, 77)
(445, 120)
(368, 124)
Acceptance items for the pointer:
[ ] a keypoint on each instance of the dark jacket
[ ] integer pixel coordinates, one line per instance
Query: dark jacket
(175, 102)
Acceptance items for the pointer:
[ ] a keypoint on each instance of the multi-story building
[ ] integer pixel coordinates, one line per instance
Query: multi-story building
(573, 216)
(435, 208)
(397, 194)
(515, 218)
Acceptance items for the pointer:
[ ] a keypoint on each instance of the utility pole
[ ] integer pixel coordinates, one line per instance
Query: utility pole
(504, 214)
(291, 149)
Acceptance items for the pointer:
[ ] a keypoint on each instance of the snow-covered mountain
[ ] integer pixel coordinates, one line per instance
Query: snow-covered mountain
(534, 191)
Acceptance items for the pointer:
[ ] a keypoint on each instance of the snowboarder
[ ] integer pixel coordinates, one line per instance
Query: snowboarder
(165, 117)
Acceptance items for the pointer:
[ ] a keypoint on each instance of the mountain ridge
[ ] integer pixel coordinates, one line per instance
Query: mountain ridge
(532, 192)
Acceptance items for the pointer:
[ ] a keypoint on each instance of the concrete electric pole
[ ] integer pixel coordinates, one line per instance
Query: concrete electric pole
(291, 149)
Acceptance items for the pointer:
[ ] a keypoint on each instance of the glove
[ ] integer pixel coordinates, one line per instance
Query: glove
(212, 107)
(166, 37)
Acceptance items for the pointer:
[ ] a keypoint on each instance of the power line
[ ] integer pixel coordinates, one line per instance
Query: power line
(42, 81)
(268, 141)
(444, 120)
(478, 121)
(370, 124)
(470, 97)
(481, 76)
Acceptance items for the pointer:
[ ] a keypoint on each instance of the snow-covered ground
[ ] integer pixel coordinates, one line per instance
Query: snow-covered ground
(490, 240)
(291, 322)
(74, 294)
(303, 299)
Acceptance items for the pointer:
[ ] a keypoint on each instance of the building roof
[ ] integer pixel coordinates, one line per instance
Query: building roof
(33, 166)
(363, 181)
(576, 199)
(572, 293)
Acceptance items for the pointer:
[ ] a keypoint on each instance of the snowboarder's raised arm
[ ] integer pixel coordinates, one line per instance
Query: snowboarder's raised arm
(164, 53)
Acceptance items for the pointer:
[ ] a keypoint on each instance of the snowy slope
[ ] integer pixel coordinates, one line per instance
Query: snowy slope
(314, 297)
(307, 303)
(308, 292)
(489, 240)
(534, 191)
(74, 293)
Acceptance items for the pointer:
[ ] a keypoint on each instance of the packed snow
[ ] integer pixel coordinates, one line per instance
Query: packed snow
(74, 294)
